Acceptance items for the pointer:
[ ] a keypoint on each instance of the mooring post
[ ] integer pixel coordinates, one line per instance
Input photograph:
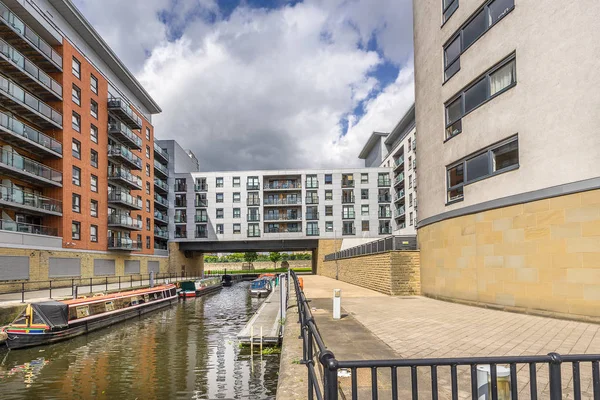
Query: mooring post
(251, 339)
(261, 339)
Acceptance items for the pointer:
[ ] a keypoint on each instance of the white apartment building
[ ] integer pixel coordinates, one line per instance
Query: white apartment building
(396, 151)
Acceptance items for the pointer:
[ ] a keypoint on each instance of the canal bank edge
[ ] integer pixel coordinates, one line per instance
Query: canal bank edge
(292, 383)
(8, 313)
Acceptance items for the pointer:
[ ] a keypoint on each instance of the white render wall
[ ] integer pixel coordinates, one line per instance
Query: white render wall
(228, 204)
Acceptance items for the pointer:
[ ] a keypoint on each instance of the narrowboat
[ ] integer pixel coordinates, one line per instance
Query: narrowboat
(227, 280)
(199, 287)
(261, 287)
(53, 321)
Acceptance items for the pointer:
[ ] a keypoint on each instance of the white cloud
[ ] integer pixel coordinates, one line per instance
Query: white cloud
(268, 88)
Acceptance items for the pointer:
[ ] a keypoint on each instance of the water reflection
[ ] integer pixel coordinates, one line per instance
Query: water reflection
(188, 351)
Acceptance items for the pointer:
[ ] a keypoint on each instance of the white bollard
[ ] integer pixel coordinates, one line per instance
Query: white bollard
(337, 303)
(484, 382)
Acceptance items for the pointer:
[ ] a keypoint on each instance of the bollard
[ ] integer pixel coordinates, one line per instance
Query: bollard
(50, 289)
(337, 303)
(261, 340)
(151, 279)
(251, 339)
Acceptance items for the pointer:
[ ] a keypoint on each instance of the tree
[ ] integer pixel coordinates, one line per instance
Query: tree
(274, 257)
(250, 256)
(285, 256)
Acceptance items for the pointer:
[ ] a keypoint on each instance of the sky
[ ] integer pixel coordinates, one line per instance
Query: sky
(266, 84)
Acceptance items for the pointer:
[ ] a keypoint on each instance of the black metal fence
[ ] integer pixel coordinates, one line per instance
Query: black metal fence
(559, 376)
(378, 246)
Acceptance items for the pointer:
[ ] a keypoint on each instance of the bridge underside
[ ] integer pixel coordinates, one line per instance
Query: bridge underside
(240, 246)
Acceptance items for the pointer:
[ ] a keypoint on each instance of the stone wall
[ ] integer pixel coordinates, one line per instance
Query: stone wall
(192, 263)
(540, 257)
(393, 273)
(326, 246)
(257, 265)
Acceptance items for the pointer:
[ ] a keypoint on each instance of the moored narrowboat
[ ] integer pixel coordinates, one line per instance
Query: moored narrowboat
(227, 280)
(199, 287)
(53, 321)
(261, 287)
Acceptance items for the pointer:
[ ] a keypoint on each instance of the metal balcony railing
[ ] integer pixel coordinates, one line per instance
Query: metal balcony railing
(180, 234)
(311, 184)
(312, 216)
(201, 234)
(312, 199)
(348, 215)
(201, 203)
(295, 201)
(161, 216)
(30, 167)
(384, 198)
(124, 174)
(384, 182)
(161, 233)
(312, 231)
(124, 244)
(161, 152)
(20, 227)
(201, 218)
(385, 214)
(126, 154)
(283, 230)
(385, 230)
(116, 127)
(19, 198)
(253, 233)
(26, 132)
(125, 113)
(253, 201)
(118, 196)
(124, 220)
(283, 185)
(283, 217)
(253, 186)
(201, 187)
(347, 184)
(161, 184)
(180, 188)
(349, 231)
(161, 200)
(253, 217)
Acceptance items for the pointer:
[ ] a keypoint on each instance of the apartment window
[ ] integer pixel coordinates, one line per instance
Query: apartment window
(312, 182)
(328, 211)
(237, 213)
(494, 160)
(253, 230)
(76, 68)
(364, 210)
(76, 95)
(236, 181)
(147, 187)
(364, 194)
(93, 233)
(147, 242)
(219, 182)
(329, 195)
(410, 181)
(364, 178)
(94, 158)
(236, 197)
(76, 122)
(347, 180)
(94, 84)
(147, 203)
(220, 229)
(409, 163)
(329, 226)
(328, 179)
(253, 183)
(147, 133)
(219, 197)
(180, 231)
(94, 134)
(219, 213)
(94, 109)
(383, 179)
(365, 226)
(181, 200)
(180, 184)
(237, 229)
(94, 208)
(75, 230)
(409, 140)
(76, 176)
(147, 169)
(147, 224)
(347, 211)
(76, 207)
(448, 8)
(180, 216)
(494, 82)
(94, 183)
(76, 149)
(147, 151)
(410, 218)
(410, 197)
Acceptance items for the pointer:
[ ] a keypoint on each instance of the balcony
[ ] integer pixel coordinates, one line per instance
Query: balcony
(283, 230)
(124, 112)
(384, 198)
(161, 153)
(348, 215)
(311, 184)
(201, 187)
(312, 231)
(253, 201)
(385, 230)
(125, 244)
(122, 154)
(347, 183)
(201, 234)
(348, 199)
(312, 216)
(161, 233)
(399, 212)
(399, 195)
(283, 217)
(16, 99)
(123, 134)
(384, 182)
(253, 217)
(399, 179)
(164, 171)
(161, 201)
(161, 217)
(201, 218)
(124, 221)
(29, 170)
(181, 234)
(28, 74)
(399, 162)
(20, 227)
(201, 203)
(124, 199)
(17, 199)
(161, 186)
(349, 231)
(402, 225)
(385, 214)
(180, 218)
(180, 188)
(123, 177)
(312, 199)
(414, 145)
(253, 186)
(28, 42)
(282, 202)
(253, 233)
(23, 136)
(296, 185)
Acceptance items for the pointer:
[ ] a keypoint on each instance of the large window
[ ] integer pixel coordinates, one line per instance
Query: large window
(494, 82)
(219, 197)
(94, 158)
(76, 178)
(76, 149)
(94, 183)
(76, 203)
(236, 181)
(94, 134)
(94, 109)
(76, 68)
(76, 122)
(490, 13)
(491, 161)
(219, 182)
(75, 230)
(94, 84)
(76, 95)
(94, 208)
(448, 8)
(93, 233)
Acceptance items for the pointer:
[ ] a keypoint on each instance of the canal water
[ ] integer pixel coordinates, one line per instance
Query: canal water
(187, 351)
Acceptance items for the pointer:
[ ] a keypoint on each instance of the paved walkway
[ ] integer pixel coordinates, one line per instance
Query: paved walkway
(419, 327)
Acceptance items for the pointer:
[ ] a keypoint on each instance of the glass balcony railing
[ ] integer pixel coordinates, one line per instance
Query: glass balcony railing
(23, 30)
(253, 217)
(201, 234)
(398, 212)
(399, 195)
(283, 185)
(398, 162)
(384, 198)
(283, 217)
(117, 127)
(201, 187)
(384, 182)
(30, 167)
(348, 215)
(20, 227)
(311, 184)
(399, 178)
(200, 218)
(179, 218)
(124, 111)
(292, 201)
(161, 152)
(385, 213)
(274, 229)
(18, 59)
(161, 167)
(125, 198)
(253, 232)
(161, 200)
(161, 233)
(122, 173)
(18, 128)
(24, 98)
(18, 197)
(161, 184)
(312, 231)
(124, 152)
(124, 243)
(125, 221)
(201, 203)
(160, 245)
(161, 216)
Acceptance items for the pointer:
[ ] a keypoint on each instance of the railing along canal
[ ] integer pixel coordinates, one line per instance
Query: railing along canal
(323, 370)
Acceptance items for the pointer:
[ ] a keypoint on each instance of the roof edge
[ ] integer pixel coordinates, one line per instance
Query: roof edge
(370, 143)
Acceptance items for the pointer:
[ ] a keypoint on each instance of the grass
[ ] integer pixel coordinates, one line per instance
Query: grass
(256, 271)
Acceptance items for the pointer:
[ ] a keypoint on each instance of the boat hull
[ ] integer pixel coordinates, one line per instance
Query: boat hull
(21, 340)
(259, 293)
(200, 292)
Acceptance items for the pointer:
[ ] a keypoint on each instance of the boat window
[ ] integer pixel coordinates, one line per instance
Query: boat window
(173, 291)
(83, 311)
(152, 296)
(159, 295)
(37, 319)
(21, 319)
(110, 306)
(135, 300)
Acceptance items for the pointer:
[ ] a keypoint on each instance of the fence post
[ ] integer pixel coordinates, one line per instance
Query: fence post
(119, 282)
(555, 376)
(309, 360)
(91, 285)
(50, 289)
(330, 382)
(106, 283)
(22, 292)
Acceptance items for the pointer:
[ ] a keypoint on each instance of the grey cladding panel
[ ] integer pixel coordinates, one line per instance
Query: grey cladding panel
(62, 267)
(132, 266)
(14, 267)
(153, 266)
(104, 267)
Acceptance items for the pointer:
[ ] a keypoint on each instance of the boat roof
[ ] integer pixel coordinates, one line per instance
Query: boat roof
(54, 313)
(118, 295)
